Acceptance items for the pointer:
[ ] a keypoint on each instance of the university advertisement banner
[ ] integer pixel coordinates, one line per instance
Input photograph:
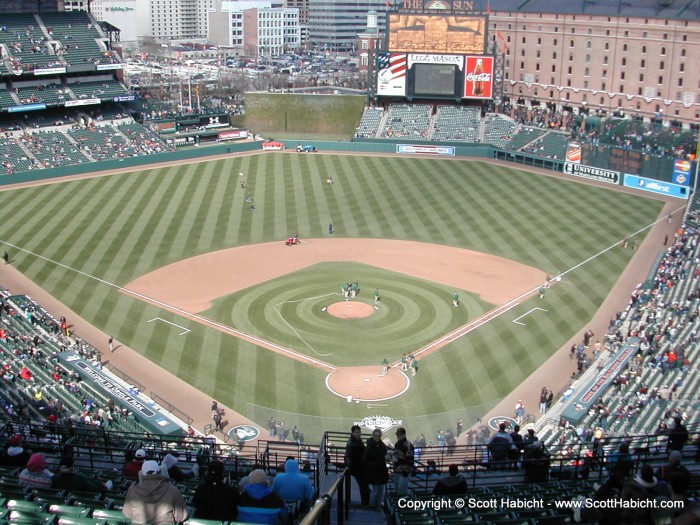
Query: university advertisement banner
(591, 172)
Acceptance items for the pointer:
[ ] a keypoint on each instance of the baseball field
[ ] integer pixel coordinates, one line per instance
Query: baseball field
(187, 265)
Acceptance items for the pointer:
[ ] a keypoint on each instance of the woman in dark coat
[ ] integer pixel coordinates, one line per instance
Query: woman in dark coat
(374, 467)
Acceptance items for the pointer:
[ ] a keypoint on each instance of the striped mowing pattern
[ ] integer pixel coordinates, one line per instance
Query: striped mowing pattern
(119, 227)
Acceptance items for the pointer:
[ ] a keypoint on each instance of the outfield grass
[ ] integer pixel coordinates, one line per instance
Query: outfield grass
(119, 227)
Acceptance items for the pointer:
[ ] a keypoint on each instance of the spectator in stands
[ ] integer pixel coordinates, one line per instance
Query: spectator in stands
(294, 486)
(154, 500)
(374, 466)
(35, 473)
(132, 469)
(536, 463)
(678, 435)
(258, 504)
(644, 486)
(354, 449)
(620, 462)
(452, 484)
(499, 445)
(403, 462)
(170, 462)
(66, 479)
(215, 499)
(673, 469)
(15, 455)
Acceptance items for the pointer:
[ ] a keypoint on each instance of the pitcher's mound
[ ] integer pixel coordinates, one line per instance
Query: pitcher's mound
(350, 310)
(366, 383)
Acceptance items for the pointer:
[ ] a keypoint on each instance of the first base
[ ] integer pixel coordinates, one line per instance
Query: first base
(324, 309)
(376, 308)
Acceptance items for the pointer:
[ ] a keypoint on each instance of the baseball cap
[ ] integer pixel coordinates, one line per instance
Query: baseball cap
(140, 454)
(150, 467)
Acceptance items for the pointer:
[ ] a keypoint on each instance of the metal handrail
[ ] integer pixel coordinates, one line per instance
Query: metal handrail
(320, 513)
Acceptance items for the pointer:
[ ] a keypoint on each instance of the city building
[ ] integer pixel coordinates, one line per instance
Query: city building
(335, 24)
(258, 29)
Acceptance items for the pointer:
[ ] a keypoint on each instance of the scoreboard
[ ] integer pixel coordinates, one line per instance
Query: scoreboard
(437, 56)
(423, 75)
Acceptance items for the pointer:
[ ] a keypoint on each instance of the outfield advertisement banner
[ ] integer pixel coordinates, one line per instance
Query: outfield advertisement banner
(590, 172)
(682, 172)
(425, 150)
(656, 186)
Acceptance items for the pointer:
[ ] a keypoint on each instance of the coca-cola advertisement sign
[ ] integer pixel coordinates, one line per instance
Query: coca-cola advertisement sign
(478, 77)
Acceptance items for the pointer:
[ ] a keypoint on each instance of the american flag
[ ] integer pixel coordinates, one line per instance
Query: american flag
(394, 62)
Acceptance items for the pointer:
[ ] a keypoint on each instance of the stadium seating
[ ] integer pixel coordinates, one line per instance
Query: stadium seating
(6, 99)
(551, 145)
(50, 94)
(369, 122)
(457, 123)
(80, 38)
(523, 137)
(26, 43)
(53, 149)
(13, 159)
(409, 121)
(105, 89)
(498, 130)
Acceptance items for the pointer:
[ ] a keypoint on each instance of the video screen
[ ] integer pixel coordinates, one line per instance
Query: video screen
(434, 79)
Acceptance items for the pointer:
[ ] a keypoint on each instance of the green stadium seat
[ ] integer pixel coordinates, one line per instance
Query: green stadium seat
(76, 520)
(69, 510)
(31, 518)
(110, 515)
(195, 521)
(25, 506)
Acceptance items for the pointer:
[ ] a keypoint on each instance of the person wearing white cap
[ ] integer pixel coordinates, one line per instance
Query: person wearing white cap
(132, 468)
(154, 500)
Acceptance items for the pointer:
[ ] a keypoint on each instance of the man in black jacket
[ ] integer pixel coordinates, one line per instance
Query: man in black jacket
(374, 467)
(354, 449)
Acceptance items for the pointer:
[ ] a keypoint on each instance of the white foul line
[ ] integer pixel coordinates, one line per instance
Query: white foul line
(161, 319)
(516, 321)
(202, 319)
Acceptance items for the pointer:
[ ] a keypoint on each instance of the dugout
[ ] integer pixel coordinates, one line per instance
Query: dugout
(145, 411)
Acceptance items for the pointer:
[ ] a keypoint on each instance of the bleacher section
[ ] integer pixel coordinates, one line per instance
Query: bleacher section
(551, 145)
(524, 136)
(78, 46)
(27, 44)
(102, 89)
(13, 159)
(369, 123)
(6, 99)
(53, 149)
(498, 130)
(457, 123)
(406, 121)
(50, 94)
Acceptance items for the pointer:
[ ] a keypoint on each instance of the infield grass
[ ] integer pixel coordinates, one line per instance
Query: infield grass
(290, 311)
(80, 239)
